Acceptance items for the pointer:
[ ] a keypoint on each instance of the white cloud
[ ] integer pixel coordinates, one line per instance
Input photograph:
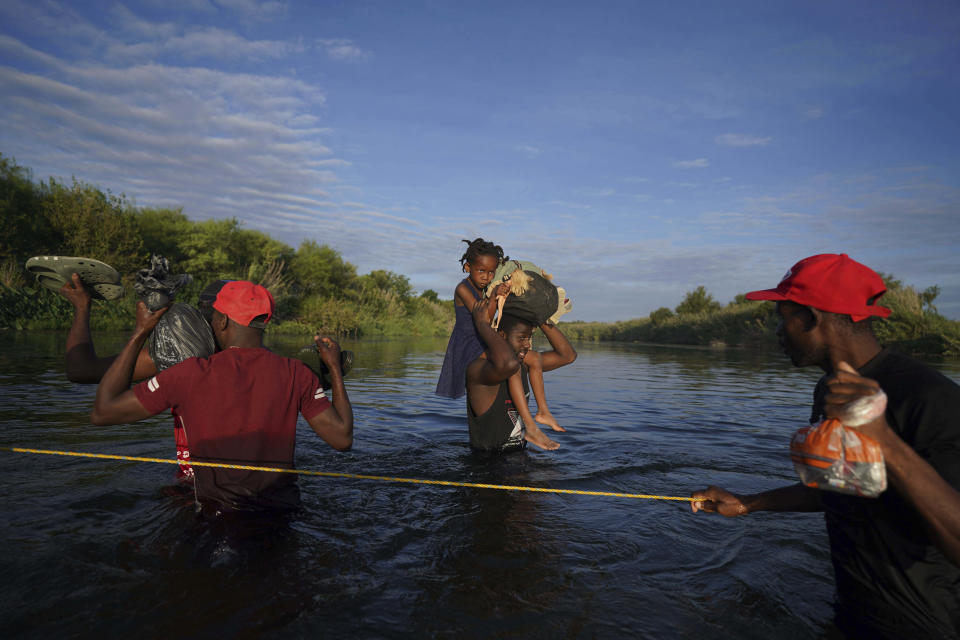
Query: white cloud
(914, 169)
(52, 21)
(132, 24)
(203, 6)
(595, 193)
(218, 143)
(344, 49)
(699, 163)
(530, 151)
(570, 205)
(138, 39)
(813, 113)
(742, 140)
(252, 8)
(205, 43)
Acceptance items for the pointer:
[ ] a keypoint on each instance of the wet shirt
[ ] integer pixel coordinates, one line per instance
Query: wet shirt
(891, 579)
(239, 406)
(500, 428)
(182, 333)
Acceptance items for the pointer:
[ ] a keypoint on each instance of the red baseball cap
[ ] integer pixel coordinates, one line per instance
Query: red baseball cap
(830, 282)
(242, 301)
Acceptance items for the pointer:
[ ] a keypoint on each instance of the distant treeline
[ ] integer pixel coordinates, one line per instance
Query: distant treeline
(314, 288)
(914, 325)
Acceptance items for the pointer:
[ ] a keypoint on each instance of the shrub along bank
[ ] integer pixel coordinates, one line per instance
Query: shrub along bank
(914, 326)
(315, 289)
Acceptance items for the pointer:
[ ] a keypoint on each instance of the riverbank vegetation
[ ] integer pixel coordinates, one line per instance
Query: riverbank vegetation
(914, 326)
(316, 290)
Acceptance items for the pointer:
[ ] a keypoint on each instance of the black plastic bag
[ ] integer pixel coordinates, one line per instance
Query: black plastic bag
(181, 333)
(156, 286)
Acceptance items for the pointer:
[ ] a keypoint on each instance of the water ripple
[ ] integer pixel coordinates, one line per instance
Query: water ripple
(118, 547)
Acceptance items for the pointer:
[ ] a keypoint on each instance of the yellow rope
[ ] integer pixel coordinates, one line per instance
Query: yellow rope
(353, 476)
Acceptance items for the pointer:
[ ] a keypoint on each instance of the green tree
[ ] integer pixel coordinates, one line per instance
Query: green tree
(890, 281)
(163, 231)
(660, 315)
(206, 249)
(88, 222)
(430, 295)
(222, 249)
(256, 248)
(318, 269)
(24, 232)
(388, 282)
(928, 295)
(697, 301)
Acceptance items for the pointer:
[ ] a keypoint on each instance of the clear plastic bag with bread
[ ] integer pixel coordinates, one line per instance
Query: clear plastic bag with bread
(835, 456)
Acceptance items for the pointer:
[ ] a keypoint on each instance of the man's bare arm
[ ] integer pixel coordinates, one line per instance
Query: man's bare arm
(936, 501)
(796, 497)
(82, 363)
(334, 426)
(563, 352)
(115, 402)
(501, 362)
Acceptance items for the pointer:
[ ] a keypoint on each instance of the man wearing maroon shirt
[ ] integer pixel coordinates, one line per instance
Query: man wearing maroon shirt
(239, 406)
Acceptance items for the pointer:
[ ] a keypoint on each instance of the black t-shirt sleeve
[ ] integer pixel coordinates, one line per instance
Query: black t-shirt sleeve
(931, 425)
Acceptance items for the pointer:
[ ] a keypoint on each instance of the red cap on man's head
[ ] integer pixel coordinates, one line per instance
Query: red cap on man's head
(242, 301)
(830, 282)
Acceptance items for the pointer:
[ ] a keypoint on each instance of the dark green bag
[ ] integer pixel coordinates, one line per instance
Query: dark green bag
(534, 299)
(537, 303)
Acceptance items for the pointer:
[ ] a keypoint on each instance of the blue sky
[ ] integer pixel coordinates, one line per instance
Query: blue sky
(636, 150)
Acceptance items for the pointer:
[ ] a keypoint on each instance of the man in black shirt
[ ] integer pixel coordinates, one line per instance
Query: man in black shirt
(896, 558)
(494, 424)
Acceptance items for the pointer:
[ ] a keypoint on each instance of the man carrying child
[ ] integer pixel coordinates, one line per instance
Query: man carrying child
(495, 424)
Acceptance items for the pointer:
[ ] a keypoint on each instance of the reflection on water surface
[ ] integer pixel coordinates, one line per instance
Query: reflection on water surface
(114, 547)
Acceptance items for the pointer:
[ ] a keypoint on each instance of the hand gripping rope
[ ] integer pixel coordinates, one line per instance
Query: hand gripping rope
(352, 476)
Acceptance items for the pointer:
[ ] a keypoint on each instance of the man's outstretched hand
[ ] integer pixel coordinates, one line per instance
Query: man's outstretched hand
(716, 500)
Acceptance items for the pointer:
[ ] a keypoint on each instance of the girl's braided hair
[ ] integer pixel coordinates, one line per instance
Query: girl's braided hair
(481, 247)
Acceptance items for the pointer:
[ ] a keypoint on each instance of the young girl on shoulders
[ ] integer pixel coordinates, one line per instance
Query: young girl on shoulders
(479, 262)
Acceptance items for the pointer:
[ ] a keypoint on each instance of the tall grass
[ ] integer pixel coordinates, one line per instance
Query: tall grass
(751, 323)
(375, 313)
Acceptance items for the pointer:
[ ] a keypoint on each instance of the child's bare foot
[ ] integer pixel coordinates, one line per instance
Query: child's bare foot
(536, 437)
(545, 417)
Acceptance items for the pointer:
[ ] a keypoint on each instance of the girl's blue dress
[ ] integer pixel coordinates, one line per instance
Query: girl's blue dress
(464, 347)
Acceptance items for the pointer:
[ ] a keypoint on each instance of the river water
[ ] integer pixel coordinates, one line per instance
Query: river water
(98, 547)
